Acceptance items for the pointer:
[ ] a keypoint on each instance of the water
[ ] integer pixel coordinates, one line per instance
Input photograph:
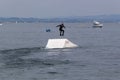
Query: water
(23, 55)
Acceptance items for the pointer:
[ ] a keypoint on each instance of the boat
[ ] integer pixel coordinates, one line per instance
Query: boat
(97, 24)
(1, 24)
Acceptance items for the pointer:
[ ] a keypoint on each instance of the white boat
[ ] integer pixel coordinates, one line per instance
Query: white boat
(1, 24)
(97, 24)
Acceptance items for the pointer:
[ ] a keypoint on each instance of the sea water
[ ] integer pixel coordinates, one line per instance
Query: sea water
(23, 55)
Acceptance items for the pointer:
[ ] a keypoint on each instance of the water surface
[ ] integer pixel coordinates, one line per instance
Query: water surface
(23, 55)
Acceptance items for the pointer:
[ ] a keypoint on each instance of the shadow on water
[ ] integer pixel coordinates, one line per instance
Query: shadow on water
(13, 58)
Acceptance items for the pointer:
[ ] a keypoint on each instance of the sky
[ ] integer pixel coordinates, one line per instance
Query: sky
(58, 8)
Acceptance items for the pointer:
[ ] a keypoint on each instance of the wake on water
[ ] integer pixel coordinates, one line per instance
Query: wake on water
(29, 57)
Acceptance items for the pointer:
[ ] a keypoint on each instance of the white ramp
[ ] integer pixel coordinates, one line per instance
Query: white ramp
(60, 43)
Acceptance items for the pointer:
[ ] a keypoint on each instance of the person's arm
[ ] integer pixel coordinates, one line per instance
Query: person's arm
(57, 25)
(63, 25)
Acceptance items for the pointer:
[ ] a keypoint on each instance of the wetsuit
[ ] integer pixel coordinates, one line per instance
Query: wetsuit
(61, 29)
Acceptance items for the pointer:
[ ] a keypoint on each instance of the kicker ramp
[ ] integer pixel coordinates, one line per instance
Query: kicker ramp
(60, 43)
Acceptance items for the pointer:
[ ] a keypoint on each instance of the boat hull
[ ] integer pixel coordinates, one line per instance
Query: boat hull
(97, 26)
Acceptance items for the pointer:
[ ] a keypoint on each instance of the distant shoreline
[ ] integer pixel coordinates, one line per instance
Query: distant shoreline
(83, 19)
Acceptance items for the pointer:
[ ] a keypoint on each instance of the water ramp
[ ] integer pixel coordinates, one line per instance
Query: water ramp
(60, 43)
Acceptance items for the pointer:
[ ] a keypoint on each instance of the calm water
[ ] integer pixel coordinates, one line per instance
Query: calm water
(23, 55)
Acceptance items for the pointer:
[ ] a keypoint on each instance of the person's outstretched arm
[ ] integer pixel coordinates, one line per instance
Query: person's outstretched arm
(57, 25)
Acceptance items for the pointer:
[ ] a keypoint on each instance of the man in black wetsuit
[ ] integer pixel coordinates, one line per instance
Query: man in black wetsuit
(61, 26)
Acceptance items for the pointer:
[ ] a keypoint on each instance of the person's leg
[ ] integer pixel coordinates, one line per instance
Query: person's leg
(62, 32)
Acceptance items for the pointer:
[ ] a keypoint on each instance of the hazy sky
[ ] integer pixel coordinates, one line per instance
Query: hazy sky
(57, 8)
